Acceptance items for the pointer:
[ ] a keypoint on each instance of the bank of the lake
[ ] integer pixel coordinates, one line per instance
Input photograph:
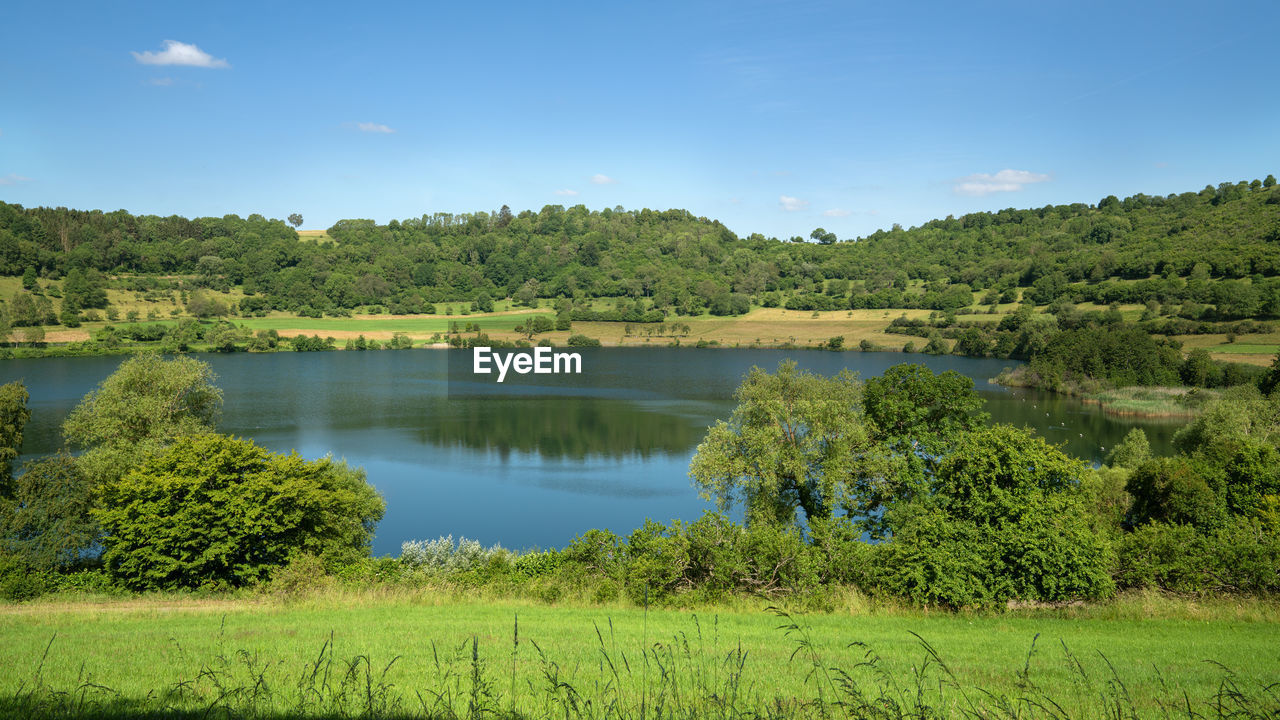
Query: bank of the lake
(1167, 403)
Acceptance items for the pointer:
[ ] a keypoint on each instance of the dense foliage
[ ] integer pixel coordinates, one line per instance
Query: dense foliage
(144, 405)
(1214, 251)
(215, 510)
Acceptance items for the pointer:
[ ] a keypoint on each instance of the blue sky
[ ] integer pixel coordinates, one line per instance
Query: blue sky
(772, 117)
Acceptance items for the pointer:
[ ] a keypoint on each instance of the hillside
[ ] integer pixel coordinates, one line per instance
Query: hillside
(1202, 268)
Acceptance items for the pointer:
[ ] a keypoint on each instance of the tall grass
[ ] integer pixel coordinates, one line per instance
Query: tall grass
(693, 673)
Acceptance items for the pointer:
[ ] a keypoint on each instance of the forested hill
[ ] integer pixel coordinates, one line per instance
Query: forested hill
(674, 260)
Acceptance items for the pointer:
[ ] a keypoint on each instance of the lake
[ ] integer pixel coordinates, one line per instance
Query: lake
(526, 465)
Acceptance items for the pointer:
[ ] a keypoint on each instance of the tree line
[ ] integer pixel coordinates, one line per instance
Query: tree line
(1213, 252)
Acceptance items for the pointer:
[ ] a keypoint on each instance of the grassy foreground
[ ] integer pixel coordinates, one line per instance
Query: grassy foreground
(440, 655)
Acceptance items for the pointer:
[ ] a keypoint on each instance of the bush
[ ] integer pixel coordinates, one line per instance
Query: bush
(304, 573)
(20, 581)
(655, 562)
(1002, 519)
(582, 341)
(442, 554)
(218, 511)
(1242, 556)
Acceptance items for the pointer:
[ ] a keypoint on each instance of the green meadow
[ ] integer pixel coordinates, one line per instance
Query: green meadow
(442, 655)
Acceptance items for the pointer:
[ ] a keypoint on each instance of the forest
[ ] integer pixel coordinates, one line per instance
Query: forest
(1214, 254)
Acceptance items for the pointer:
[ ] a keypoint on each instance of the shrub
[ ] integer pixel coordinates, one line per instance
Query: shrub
(305, 572)
(442, 554)
(216, 510)
(19, 580)
(655, 562)
(1003, 519)
(597, 551)
(582, 341)
(1242, 556)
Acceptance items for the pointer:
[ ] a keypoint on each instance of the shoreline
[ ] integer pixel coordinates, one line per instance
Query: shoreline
(1138, 401)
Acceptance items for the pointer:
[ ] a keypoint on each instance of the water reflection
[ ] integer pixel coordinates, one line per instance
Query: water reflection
(532, 463)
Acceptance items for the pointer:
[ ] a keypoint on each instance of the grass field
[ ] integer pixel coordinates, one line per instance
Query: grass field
(316, 236)
(414, 652)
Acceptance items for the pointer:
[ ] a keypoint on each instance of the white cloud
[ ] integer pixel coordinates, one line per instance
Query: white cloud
(791, 204)
(13, 179)
(569, 193)
(599, 179)
(374, 128)
(1006, 180)
(836, 212)
(180, 53)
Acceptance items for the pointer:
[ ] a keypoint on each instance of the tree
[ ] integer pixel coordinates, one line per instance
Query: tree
(203, 305)
(483, 303)
(1270, 181)
(23, 310)
(13, 421)
(295, 220)
(84, 289)
(822, 236)
(146, 404)
(1174, 490)
(51, 525)
(916, 416)
(214, 510)
(29, 278)
(33, 335)
(795, 442)
(1001, 519)
(1132, 452)
(1271, 380)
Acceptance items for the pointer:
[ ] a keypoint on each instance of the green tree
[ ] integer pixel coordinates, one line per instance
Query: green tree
(29, 278)
(1271, 380)
(33, 335)
(295, 219)
(50, 524)
(936, 345)
(1001, 519)
(147, 403)
(1132, 452)
(213, 510)
(1174, 490)
(823, 237)
(796, 441)
(84, 289)
(13, 422)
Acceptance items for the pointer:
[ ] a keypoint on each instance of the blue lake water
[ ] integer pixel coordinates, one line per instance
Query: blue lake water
(525, 465)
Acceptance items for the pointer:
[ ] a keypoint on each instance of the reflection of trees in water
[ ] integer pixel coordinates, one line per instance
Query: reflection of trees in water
(563, 427)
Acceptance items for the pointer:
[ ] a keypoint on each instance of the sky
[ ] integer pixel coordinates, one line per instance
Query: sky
(772, 117)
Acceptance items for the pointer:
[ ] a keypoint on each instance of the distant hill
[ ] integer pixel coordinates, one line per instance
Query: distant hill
(1178, 248)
